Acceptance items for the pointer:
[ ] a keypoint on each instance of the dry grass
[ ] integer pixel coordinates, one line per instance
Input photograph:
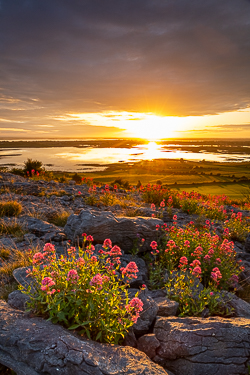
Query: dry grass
(12, 227)
(10, 208)
(15, 259)
(60, 219)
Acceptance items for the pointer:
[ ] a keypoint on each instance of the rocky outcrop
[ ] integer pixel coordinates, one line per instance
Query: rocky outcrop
(33, 346)
(213, 346)
(123, 231)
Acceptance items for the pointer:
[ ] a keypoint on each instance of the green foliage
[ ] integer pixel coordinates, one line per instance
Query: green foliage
(187, 257)
(92, 200)
(184, 288)
(85, 293)
(237, 227)
(10, 208)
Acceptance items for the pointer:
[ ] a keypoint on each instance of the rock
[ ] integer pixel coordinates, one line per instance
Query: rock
(130, 339)
(122, 231)
(20, 275)
(148, 344)
(240, 307)
(166, 306)
(18, 300)
(37, 226)
(148, 315)
(157, 293)
(247, 243)
(203, 346)
(33, 346)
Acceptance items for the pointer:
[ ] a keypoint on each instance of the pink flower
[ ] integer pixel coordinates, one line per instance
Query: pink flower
(187, 243)
(207, 258)
(134, 306)
(80, 261)
(48, 281)
(38, 258)
(162, 204)
(130, 270)
(97, 281)
(115, 251)
(51, 292)
(196, 271)
(175, 218)
(136, 303)
(216, 275)
(153, 206)
(211, 252)
(107, 243)
(195, 263)
(72, 276)
(89, 238)
(153, 245)
(171, 243)
(183, 261)
(49, 248)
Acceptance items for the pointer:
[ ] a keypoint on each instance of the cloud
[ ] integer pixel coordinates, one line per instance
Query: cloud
(167, 57)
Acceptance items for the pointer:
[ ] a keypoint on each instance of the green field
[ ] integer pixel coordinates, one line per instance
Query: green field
(231, 179)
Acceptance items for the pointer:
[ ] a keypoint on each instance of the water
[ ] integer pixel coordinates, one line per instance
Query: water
(90, 159)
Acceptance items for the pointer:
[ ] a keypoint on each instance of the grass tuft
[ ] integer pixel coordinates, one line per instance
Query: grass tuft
(10, 208)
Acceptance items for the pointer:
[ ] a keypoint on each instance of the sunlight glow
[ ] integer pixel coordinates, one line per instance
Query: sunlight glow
(155, 127)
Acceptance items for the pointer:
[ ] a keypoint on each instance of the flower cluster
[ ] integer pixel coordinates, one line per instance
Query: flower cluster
(85, 292)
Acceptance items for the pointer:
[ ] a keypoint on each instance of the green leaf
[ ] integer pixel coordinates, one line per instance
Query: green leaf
(74, 326)
(99, 336)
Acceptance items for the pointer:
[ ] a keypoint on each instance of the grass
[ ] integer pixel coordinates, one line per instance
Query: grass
(10, 208)
(12, 228)
(60, 219)
(15, 259)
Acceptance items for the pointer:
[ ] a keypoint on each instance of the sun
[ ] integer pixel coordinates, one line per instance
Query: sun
(151, 126)
(153, 151)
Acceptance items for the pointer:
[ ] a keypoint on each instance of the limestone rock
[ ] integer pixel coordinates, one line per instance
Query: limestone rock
(18, 300)
(148, 344)
(34, 346)
(122, 231)
(203, 346)
(166, 306)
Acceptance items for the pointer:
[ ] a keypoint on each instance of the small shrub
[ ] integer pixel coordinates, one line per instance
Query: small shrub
(85, 293)
(121, 183)
(32, 167)
(77, 178)
(60, 219)
(10, 208)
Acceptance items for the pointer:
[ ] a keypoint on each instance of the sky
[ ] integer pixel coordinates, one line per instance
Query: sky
(124, 68)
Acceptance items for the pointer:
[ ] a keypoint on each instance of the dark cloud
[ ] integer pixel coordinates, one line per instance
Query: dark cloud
(174, 57)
